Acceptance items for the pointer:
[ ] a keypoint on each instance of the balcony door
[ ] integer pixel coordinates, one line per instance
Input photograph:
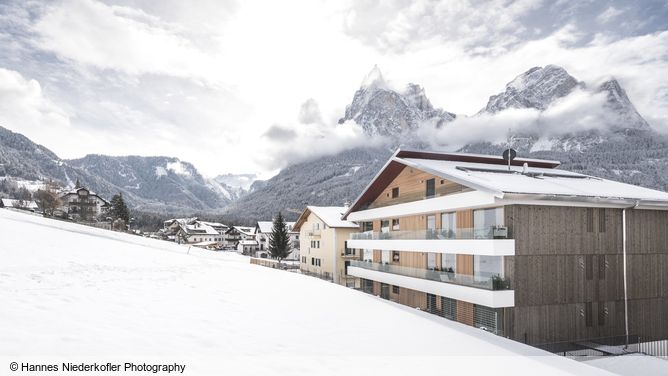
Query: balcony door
(431, 227)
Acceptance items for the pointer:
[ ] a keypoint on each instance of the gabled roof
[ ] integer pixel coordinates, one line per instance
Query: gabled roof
(492, 175)
(330, 215)
(242, 229)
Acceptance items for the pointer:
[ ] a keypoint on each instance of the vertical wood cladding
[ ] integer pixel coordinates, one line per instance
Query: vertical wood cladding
(412, 183)
(567, 272)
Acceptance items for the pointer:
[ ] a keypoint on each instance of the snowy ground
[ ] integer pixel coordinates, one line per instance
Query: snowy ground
(70, 293)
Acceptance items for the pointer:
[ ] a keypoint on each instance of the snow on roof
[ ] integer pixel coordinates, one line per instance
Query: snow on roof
(248, 242)
(267, 226)
(12, 203)
(213, 224)
(98, 262)
(331, 215)
(245, 229)
(200, 228)
(499, 180)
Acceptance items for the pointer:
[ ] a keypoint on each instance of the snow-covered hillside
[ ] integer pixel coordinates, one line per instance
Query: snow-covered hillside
(73, 293)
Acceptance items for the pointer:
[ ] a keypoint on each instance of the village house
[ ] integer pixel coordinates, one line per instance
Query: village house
(323, 236)
(81, 204)
(241, 238)
(18, 204)
(524, 250)
(263, 230)
(195, 232)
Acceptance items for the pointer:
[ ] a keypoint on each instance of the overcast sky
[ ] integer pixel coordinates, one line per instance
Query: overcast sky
(210, 82)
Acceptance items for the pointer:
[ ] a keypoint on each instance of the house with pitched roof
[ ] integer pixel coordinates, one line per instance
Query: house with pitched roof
(323, 237)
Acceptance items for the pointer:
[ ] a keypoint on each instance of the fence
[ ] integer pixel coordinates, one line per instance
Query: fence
(606, 346)
(269, 263)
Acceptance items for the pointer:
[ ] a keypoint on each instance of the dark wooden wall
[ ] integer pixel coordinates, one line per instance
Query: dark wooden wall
(568, 272)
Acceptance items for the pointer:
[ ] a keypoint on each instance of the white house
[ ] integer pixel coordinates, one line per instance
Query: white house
(195, 232)
(83, 204)
(263, 231)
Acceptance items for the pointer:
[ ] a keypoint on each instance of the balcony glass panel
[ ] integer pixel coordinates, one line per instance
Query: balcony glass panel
(491, 232)
(487, 283)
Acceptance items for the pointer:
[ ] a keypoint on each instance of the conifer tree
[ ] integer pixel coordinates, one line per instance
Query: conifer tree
(279, 240)
(118, 208)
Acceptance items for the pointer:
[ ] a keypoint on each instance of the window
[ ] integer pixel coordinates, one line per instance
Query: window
(485, 267)
(395, 192)
(430, 188)
(312, 261)
(601, 220)
(384, 225)
(449, 225)
(590, 219)
(431, 227)
(395, 224)
(602, 312)
(602, 265)
(449, 308)
(431, 261)
(484, 221)
(367, 255)
(367, 286)
(589, 267)
(385, 257)
(367, 226)
(395, 256)
(449, 262)
(587, 313)
(395, 289)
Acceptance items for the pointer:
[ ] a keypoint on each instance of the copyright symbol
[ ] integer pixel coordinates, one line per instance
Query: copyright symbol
(14, 366)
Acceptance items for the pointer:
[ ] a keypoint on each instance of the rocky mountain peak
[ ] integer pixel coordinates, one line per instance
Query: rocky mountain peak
(382, 110)
(536, 88)
(619, 104)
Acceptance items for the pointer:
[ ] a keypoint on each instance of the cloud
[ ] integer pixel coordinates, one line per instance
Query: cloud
(609, 14)
(579, 111)
(309, 113)
(119, 38)
(24, 107)
(277, 133)
(397, 25)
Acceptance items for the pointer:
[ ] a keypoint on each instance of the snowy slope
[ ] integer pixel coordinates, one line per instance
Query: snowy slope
(72, 293)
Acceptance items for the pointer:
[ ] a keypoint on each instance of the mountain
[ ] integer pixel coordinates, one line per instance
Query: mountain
(331, 180)
(153, 183)
(625, 149)
(156, 184)
(536, 88)
(383, 111)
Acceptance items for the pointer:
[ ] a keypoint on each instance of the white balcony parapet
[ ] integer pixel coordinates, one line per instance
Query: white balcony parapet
(488, 298)
(456, 201)
(482, 247)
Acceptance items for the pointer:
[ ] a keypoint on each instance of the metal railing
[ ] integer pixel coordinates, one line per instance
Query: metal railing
(494, 282)
(490, 232)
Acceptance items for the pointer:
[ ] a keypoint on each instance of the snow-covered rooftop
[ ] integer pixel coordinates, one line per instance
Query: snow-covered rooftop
(12, 203)
(267, 226)
(76, 293)
(499, 180)
(331, 216)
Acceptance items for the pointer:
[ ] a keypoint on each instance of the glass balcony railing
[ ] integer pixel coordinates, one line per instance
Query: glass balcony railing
(490, 232)
(490, 282)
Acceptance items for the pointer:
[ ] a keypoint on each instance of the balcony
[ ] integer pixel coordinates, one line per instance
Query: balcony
(493, 283)
(490, 232)
(490, 291)
(488, 241)
(315, 232)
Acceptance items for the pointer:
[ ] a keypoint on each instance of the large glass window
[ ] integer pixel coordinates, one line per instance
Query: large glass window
(431, 261)
(485, 267)
(385, 225)
(431, 226)
(449, 225)
(484, 221)
(367, 226)
(368, 255)
(449, 262)
(385, 257)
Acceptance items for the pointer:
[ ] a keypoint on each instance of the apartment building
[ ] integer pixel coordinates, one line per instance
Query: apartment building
(323, 236)
(526, 250)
